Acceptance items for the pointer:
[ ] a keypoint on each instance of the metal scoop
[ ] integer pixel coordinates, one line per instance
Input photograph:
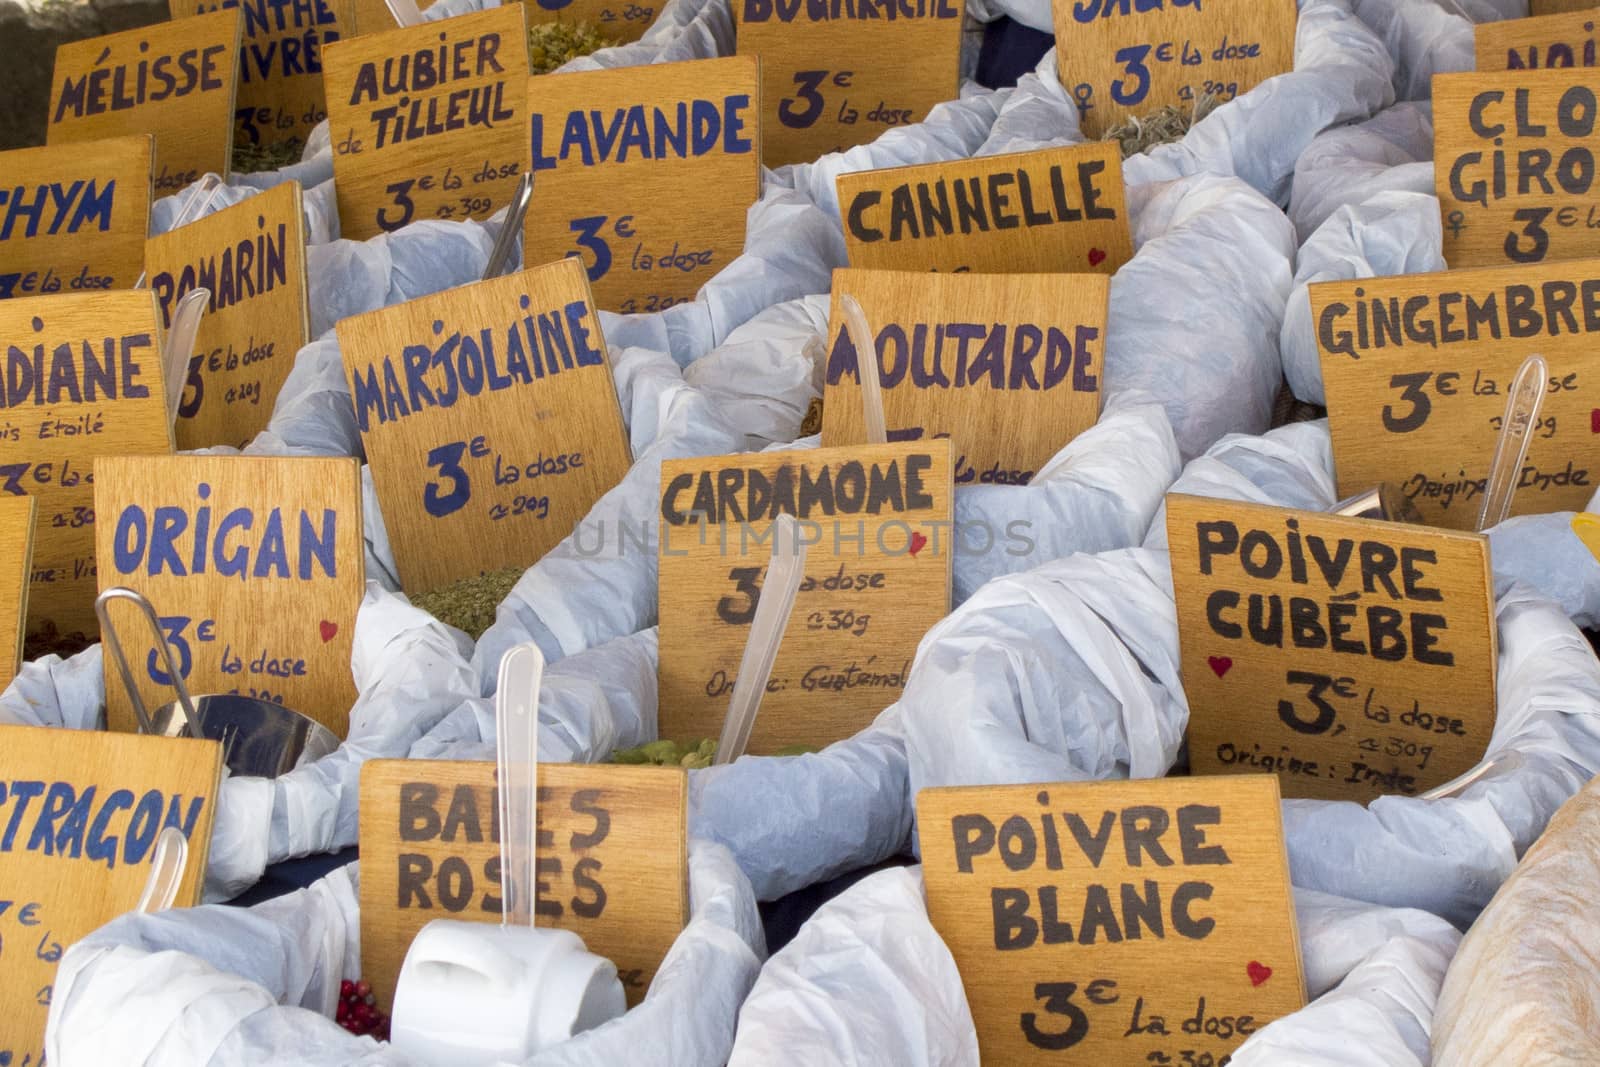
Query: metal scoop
(506, 242)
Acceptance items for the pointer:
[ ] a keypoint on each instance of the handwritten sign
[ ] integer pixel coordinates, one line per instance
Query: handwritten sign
(1416, 370)
(83, 379)
(1055, 210)
(877, 521)
(280, 95)
(1350, 657)
(175, 80)
(1514, 166)
(74, 221)
(1127, 922)
(255, 565)
(837, 74)
(428, 122)
(506, 429)
(252, 258)
(16, 560)
(1551, 42)
(83, 810)
(645, 173)
(613, 862)
(1006, 365)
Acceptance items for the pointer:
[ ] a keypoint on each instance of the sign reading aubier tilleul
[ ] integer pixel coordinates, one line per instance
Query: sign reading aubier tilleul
(16, 559)
(175, 80)
(1514, 166)
(280, 63)
(490, 419)
(1352, 658)
(1552, 41)
(839, 73)
(255, 565)
(428, 122)
(252, 258)
(83, 379)
(1057, 209)
(612, 859)
(74, 221)
(1416, 369)
(83, 810)
(1133, 57)
(1115, 922)
(877, 523)
(645, 173)
(1006, 365)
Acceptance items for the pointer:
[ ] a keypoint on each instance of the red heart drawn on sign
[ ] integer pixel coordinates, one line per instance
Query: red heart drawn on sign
(1594, 421)
(1221, 664)
(1258, 972)
(918, 542)
(328, 630)
(1096, 257)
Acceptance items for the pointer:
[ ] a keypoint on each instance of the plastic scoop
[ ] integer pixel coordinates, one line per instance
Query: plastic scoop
(1455, 786)
(1516, 432)
(516, 723)
(855, 323)
(405, 12)
(167, 865)
(200, 198)
(766, 634)
(516, 212)
(180, 344)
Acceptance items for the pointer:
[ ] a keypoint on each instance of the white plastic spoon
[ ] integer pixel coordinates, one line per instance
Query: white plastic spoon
(516, 723)
(405, 12)
(180, 344)
(855, 322)
(1516, 431)
(167, 864)
(200, 198)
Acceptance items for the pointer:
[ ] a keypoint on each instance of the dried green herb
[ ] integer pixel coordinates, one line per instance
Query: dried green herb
(691, 754)
(469, 604)
(550, 44)
(250, 158)
(1169, 124)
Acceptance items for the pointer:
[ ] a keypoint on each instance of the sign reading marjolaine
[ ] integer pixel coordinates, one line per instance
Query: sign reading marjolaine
(16, 560)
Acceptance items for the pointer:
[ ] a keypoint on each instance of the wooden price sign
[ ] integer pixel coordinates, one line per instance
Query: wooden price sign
(663, 161)
(1558, 7)
(83, 810)
(836, 74)
(16, 558)
(1120, 59)
(506, 430)
(255, 565)
(613, 863)
(1007, 365)
(1127, 922)
(1352, 658)
(280, 63)
(1553, 41)
(1416, 369)
(1055, 210)
(428, 122)
(175, 80)
(252, 257)
(877, 522)
(83, 379)
(72, 220)
(1514, 166)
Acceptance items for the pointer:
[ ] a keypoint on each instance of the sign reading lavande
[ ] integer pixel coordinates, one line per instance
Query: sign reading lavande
(1553, 41)
(1006, 365)
(1117, 922)
(16, 559)
(174, 80)
(252, 258)
(1119, 59)
(646, 174)
(1057, 209)
(255, 565)
(280, 63)
(71, 220)
(1416, 369)
(837, 73)
(877, 523)
(83, 379)
(428, 122)
(490, 419)
(1352, 658)
(83, 810)
(1514, 166)
(612, 859)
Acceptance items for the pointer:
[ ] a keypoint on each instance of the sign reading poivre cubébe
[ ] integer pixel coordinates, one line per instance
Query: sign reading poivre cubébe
(16, 560)
(1350, 657)
(1116, 922)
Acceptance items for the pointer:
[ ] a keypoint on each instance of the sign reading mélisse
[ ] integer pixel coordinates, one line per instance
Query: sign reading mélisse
(1006, 365)
(72, 220)
(1352, 658)
(490, 419)
(1416, 369)
(1128, 922)
(646, 173)
(428, 122)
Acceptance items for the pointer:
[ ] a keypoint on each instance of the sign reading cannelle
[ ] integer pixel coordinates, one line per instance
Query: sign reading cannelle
(16, 560)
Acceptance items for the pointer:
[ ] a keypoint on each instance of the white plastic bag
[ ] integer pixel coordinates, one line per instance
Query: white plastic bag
(1392, 151)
